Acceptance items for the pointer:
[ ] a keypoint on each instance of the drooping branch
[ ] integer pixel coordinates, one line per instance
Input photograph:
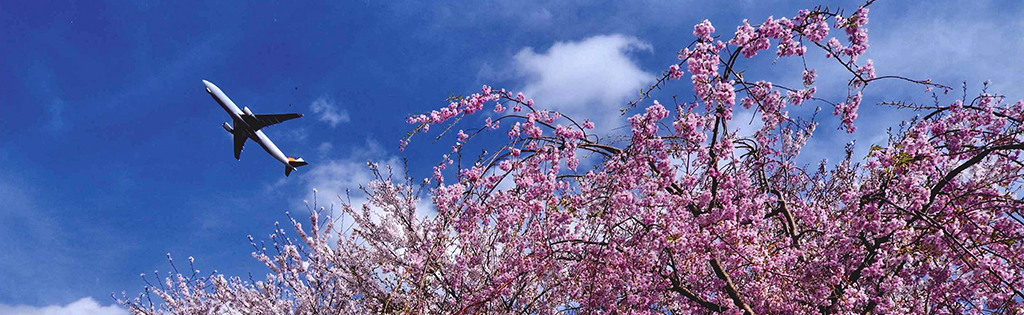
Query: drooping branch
(730, 287)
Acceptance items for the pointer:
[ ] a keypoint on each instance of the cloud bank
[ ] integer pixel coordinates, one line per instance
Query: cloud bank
(337, 181)
(591, 78)
(328, 111)
(84, 306)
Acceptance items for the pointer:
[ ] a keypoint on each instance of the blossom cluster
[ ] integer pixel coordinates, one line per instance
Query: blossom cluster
(679, 215)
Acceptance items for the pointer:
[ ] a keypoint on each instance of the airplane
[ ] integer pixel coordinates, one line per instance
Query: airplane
(247, 126)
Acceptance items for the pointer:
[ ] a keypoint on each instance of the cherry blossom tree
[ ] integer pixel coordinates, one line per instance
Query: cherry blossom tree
(681, 215)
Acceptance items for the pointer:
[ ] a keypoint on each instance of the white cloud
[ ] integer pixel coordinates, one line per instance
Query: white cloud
(324, 149)
(592, 78)
(746, 122)
(328, 111)
(84, 306)
(331, 179)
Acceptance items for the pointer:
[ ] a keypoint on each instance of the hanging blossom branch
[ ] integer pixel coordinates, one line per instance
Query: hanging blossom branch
(681, 215)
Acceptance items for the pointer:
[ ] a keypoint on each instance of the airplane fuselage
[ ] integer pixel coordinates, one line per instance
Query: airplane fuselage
(241, 126)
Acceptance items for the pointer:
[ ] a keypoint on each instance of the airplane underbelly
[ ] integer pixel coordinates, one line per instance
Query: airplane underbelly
(226, 104)
(269, 146)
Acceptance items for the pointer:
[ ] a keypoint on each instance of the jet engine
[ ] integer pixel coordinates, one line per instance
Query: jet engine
(247, 111)
(228, 127)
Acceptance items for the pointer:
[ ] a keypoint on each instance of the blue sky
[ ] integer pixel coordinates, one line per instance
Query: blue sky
(111, 153)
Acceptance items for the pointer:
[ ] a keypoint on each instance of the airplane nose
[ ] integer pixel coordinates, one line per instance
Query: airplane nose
(208, 85)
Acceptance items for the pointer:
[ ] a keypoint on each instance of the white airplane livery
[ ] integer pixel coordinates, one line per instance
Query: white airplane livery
(247, 126)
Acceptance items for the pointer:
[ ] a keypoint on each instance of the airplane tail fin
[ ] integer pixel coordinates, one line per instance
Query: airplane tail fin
(293, 164)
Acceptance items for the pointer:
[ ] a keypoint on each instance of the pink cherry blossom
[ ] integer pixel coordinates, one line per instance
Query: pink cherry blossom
(676, 214)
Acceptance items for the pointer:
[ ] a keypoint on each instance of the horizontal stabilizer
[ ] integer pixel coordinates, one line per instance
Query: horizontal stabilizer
(293, 164)
(296, 162)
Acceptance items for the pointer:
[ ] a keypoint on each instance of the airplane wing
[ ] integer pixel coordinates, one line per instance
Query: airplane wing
(257, 122)
(239, 143)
